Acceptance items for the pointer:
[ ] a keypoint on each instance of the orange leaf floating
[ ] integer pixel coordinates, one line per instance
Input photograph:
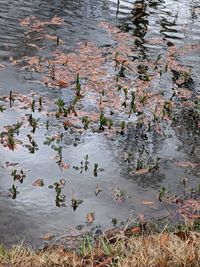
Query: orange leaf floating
(2, 66)
(65, 166)
(62, 83)
(47, 236)
(39, 182)
(147, 202)
(90, 217)
(142, 171)
(186, 164)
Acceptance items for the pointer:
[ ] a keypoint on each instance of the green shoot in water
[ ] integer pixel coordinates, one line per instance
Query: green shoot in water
(13, 191)
(78, 86)
(86, 122)
(103, 121)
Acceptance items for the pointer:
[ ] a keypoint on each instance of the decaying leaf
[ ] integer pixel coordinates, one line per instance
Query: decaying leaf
(145, 202)
(136, 230)
(2, 66)
(62, 182)
(39, 182)
(47, 236)
(142, 171)
(90, 217)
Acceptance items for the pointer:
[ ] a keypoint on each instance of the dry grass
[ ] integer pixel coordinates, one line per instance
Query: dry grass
(158, 250)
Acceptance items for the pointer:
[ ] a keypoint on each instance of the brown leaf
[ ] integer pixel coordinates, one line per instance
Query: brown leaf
(142, 171)
(39, 182)
(2, 66)
(145, 202)
(47, 236)
(62, 182)
(136, 230)
(90, 217)
(61, 83)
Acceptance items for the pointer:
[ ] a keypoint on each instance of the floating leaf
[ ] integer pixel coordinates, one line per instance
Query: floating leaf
(145, 202)
(39, 182)
(62, 182)
(47, 236)
(90, 217)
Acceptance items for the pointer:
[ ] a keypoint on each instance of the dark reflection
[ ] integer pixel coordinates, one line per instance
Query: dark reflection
(168, 28)
(186, 124)
(139, 150)
(140, 21)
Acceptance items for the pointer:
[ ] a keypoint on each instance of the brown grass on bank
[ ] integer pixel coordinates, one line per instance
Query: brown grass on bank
(158, 250)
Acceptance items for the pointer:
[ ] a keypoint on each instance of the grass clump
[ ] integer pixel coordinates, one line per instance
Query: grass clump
(128, 247)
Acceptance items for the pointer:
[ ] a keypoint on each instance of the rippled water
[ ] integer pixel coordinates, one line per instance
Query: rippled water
(34, 213)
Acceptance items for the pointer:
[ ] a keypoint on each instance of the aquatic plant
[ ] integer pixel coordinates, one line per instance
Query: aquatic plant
(110, 123)
(142, 70)
(33, 145)
(18, 175)
(186, 75)
(11, 141)
(84, 164)
(52, 73)
(114, 221)
(139, 165)
(161, 193)
(155, 167)
(58, 40)
(33, 123)
(166, 67)
(2, 109)
(132, 104)
(8, 136)
(118, 194)
(13, 191)
(47, 124)
(102, 121)
(59, 197)
(11, 99)
(121, 70)
(156, 61)
(167, 109)
(125, 90)
(116, 60)
(128, 157)
(58, 149)
(86, 122)
(122, 126)
(95, 171)
(78, 85)
(143, 99)
(40, 100)
(97, 191)
(33, 105)
(60, 103)
(75, 202)
(119, 87)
